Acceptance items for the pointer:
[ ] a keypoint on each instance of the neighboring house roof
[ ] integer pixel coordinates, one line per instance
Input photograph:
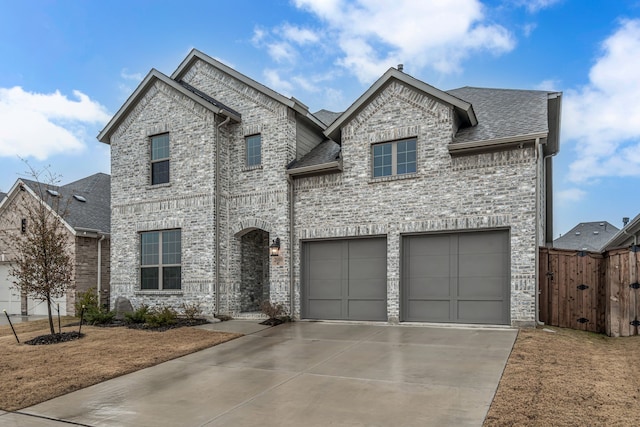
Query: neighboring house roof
(587, 236)
(627, 236)
(324, 157)
(463, 109)
(327, 117)
(87, 201)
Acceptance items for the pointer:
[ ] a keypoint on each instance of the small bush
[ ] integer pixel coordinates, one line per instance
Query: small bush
(272, 310)
(98, 316)
(138, 316)
(87, 299)
(192, 311)
(159, 317)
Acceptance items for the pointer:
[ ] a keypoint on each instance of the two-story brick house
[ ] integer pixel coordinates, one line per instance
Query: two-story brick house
(415, 204)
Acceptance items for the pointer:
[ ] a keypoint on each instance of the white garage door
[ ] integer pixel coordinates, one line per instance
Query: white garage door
(10, 298)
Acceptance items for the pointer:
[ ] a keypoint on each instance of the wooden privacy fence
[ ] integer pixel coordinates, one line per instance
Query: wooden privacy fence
(591, 291)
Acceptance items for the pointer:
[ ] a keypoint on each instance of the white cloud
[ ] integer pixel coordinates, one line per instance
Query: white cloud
(570, 195)
(549, 85)
(125, 74)
(603, 117)
(374, 35)
(299, 35)
(281, 51)
(536, 5)
(40, 125)
(275, 81)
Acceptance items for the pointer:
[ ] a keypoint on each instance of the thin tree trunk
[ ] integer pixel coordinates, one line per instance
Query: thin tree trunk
(53, 331)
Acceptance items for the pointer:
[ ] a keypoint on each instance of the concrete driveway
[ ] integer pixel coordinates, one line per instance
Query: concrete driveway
(302, 374)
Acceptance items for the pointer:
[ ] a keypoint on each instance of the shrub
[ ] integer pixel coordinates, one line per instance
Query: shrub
(93, 314)
(272, 310)
(138, 316)
(87, 299)
(158, 317)
(192, 311)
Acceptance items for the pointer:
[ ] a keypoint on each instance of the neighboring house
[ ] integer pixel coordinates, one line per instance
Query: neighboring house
(415, 204)
(628, 236)
(586, 236)
(87, 221)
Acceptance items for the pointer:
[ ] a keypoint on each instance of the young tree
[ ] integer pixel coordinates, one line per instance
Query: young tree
(42, 266)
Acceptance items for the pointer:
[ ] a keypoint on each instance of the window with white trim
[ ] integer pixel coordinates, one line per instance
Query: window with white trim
(160, 159)
(161, 259)
(394, 158)
(253, 146)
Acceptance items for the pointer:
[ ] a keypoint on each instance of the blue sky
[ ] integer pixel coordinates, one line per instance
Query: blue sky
(67, 66)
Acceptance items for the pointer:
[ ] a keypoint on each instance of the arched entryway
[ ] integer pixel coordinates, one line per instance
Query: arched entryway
(254, 270)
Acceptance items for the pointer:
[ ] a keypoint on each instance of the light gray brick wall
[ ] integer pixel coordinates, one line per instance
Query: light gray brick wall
(473, 192)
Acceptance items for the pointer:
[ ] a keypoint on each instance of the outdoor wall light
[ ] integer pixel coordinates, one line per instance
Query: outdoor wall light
(274, 248)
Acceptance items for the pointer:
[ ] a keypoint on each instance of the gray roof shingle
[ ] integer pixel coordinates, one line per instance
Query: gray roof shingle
(587, 236)
(95, 212)
(327, 117)
(503, 113)
(326, 152)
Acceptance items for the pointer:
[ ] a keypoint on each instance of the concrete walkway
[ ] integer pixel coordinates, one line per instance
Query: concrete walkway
(302, 374)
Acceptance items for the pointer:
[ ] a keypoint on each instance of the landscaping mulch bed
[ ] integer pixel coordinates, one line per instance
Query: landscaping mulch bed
(55, 338)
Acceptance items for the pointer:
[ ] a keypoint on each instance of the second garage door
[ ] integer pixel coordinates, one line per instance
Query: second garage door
(456, 278)
(345, 279)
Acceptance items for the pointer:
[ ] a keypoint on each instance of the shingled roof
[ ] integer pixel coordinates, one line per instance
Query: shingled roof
(87, 201)
(503, 113)
(587, 236)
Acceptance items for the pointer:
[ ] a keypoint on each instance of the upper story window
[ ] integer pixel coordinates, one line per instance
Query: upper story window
(254, 150)
(160, 159)
(161, 259)
(394, 158)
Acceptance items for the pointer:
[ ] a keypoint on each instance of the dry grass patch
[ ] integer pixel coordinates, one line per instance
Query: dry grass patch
(569, 378)
(33, 374)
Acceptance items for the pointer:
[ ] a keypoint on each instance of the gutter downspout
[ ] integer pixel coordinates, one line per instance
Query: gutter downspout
(99, 290)
(537, 299)
(635, 237)
(217, 213)
(291, 246)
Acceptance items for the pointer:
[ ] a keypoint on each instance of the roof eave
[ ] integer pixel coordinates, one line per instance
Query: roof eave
(463, 108)
(554, 112)
(335, 166)
(154, 75)
(489, 144)
(195, 55)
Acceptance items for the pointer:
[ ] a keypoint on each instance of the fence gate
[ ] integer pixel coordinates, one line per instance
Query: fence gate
(572, 294)
(623, 292)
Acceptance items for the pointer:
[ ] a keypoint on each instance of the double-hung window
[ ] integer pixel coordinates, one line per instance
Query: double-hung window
(254, 150)
(160, 259)
(160, 159)
(394, 158)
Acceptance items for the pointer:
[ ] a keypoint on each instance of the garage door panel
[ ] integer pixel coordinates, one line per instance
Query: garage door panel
(366, 289)
(456, 277)
(437, 245)
(429, 266)
(326, 249)
(480, 311)
(325, 309)
(435, 287)
(482, 264)
(485, 241)
(429, 311)
(367, 310)
(369, 268)
(355, 288)
(485, 287)
(325, 289)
